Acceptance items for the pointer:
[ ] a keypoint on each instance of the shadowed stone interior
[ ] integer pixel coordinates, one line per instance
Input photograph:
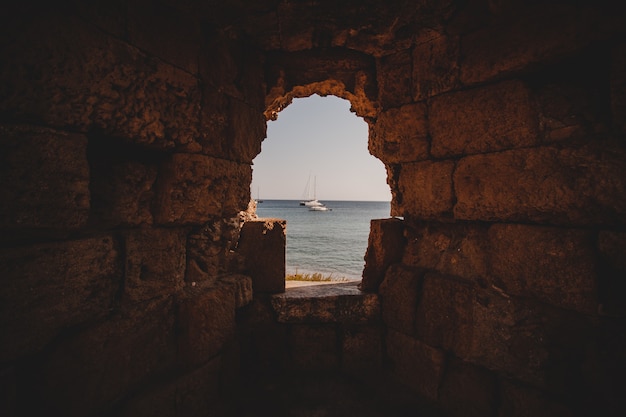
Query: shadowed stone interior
(136, 280)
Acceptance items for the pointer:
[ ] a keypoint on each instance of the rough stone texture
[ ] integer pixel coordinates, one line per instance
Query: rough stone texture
(262, 244)
(554, 265)
(394, 79)
(154, 263)
(612, 264)
(326, 303)
(206, 320)
(618, 87)
(399, 296)
(401, 135)
(529, 38)
(313, 348)
(195, 187)
(426, 189)
(444, 315)
(452, 249)
(468, 391)
(361, 349)
(435, 65)
(45, 179)
(384, 247)
(92, 81)
(482, 120)
(521, 401)
(87, 372)
(50, 287)
(417, 364)
(559, 186)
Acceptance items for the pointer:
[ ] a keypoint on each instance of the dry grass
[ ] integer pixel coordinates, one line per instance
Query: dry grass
(316, 276)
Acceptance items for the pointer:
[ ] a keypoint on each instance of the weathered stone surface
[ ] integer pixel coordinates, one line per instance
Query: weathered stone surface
(45, 179)
(481, 120)
(385, 246)
(435, 66)
(417, 364)
(522, 401)
(468, 391)
(522, 39)
(314, 347)
(242, 288)
(195, 187)
(557, 266)
(400, 135)
(361, 349)
(88, 372)
(326, 303)
(155, 263)
(394, 79)
(164, 31)
(206, 320)
(559, 186)
(399, 297)
(444, 315)
(84, 79)
(210, 250)
(612, 270)
(122, 183)
(426, 190)
(618, 87)
(452, 249)
(54, 286)
(262, 244)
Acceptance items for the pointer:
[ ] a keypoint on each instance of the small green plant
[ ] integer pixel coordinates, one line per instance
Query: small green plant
(316, 276)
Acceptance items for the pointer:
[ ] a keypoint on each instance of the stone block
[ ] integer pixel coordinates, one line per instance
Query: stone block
(518, 400)
(262, 244)
(486, 119)
(206, 321)
(385, 246)
(314, 347)
(400, 135)
(86, 373)
(361, 349)
(122, 184)
(618, 87)
(426, 190)
(435, 66)
(417, 364)
(521, 39)
(558, 186)
(399, 294)
(193, 188)
(155, 263)
(612, 270)
(164, 31)
(45, 179)
(327, 303)
(459, 249)
(444, 315)
(54, 286)
(394, 74)
(468, 391)
(557, 266)
(89, 80)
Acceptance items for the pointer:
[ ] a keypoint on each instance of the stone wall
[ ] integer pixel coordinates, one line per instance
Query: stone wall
(126, 158)
(127, 132)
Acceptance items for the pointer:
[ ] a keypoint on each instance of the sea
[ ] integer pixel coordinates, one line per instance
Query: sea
(330, 242)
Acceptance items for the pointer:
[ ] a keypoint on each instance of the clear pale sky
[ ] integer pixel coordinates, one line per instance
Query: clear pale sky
(318, 137)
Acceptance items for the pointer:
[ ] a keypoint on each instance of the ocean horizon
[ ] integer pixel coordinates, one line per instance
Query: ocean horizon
(329, 242)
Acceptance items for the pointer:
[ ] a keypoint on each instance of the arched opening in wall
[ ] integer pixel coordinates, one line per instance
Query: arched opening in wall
(317, 150)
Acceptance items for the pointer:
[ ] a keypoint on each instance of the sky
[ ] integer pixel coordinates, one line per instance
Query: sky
(318, 138)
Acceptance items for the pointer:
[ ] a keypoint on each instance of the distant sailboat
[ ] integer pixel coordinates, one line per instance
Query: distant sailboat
(307, 200)
(258, 199)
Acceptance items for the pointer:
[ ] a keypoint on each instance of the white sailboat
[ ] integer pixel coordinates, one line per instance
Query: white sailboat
(314, 204)
(309, 201)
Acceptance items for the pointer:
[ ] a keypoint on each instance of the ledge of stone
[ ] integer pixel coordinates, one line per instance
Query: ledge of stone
(327, 303)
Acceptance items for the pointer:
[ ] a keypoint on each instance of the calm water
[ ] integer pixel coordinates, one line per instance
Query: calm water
(330, 242)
